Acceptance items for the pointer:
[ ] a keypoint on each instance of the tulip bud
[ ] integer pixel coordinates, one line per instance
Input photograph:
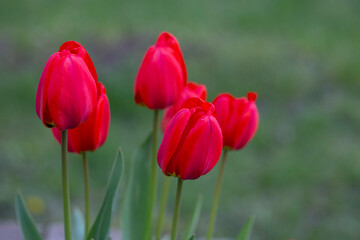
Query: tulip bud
(92, 133)
(66, 95)
(162, 74)
(192, 141)
(238, 118)
(191, 90)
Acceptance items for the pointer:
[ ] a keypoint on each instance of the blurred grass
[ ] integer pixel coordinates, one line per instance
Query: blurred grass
(300, 175)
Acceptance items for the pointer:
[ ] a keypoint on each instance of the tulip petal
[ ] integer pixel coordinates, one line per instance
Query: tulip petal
(78, 49)
(201, 150)
(71, 96)
(57, 134)
(171, 140)
(102, 120)
(168, 40)
(215, 145)
(159, 82)
(252, 121)
(41, 104)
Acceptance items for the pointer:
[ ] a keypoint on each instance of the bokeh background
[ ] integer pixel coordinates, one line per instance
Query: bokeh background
(300, 175)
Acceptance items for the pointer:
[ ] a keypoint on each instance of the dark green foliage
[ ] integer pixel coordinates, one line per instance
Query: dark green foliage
(136, 201)
(101, 227)
(245, 233)
(26, 223)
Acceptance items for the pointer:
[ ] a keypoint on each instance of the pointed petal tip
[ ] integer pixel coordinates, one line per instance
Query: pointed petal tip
(252, 96)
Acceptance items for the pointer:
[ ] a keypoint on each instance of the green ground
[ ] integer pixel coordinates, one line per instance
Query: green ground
(300, 176)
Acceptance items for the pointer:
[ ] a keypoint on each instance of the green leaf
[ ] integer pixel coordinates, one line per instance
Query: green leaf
(137, 194)
(101, 228)
(192, 237)
(194, 219)
(78, 225)
(246, 231)
(25, 220)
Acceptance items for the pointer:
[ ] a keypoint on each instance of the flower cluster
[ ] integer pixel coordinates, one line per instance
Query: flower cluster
(195, 131)
(72, 102)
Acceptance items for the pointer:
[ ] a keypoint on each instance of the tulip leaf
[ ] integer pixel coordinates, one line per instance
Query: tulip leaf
(101, 228)
(78, 225)
(26, 222)
(194, 219)
(246, 230)
(136, 200)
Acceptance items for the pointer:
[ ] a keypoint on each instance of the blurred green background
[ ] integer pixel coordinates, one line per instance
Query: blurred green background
(300, 175)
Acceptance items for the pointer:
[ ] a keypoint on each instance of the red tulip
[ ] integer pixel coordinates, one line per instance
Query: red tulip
(66, 95)
(162, 74)
(191, 90)
(192, 141)
(238, 118)
(92, 133)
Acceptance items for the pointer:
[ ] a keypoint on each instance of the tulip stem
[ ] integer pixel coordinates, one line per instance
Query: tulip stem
(164, 197)
(176, 209)
(152, 197)
(216, 197)
(65, 186)
(86, 191)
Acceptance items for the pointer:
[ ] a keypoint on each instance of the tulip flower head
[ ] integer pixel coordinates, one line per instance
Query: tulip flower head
(192, 141)
(162, 74)
(190, 90)
(92, 133)
(238, 118)
(66, 95)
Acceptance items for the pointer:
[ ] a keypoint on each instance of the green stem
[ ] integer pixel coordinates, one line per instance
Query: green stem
(65, 185)
(176, 209)
(86, 191)
(216, 197)
(164, 198)
(152, 196)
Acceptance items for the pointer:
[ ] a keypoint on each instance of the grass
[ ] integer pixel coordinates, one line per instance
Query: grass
(299, 175)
